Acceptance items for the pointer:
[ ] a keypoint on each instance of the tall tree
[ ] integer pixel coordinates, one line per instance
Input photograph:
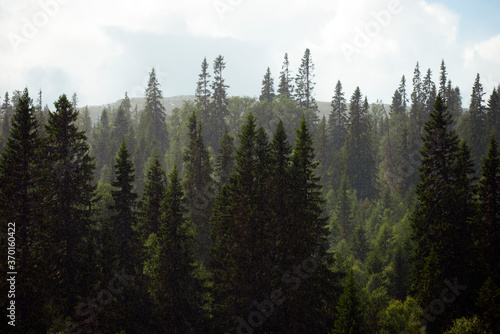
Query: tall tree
(203, 95)
(304, 84)
(429, 96)
(493, 114)
(7, 112)
(285, 87)
(224, 162)
(443, 82)
(267, 91)
(170, 265)
(359, 159)
(220, 103)
(71, 191)
(199, 186)
(22, 216)
(476, 134)
(402, 91)
(337, 121)
(441, 221)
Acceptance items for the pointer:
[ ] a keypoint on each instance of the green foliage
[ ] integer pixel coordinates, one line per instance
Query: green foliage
(472, 325)
(350, 316)
(401, 317)
(267, 92)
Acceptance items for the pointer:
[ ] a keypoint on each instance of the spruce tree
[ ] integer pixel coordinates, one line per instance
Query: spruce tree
(304, 84)
(219, 104)
(350, 316)
(124, 216)
(199, 186)
(285, 87)
(7, 111)
(203, 95)
(224, 162)
(488, 220)
(359, 159)
(441, 221)
(71, 192)
(22, 210)
(443, 82)
(152, 197)
(170, 265)
(337, 121)
(493, 114)
(267, 91)
(476, 134)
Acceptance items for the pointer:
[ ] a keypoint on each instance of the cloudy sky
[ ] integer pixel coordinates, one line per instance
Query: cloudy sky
(101, 49)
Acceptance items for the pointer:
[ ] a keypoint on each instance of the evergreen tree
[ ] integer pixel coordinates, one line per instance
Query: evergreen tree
(7, 111)
(417, 97)
(304, 92)
(124, 216)
(220, 103)
(342, 214)
(475, 126)
(267, 91)
(402, 92)
(285, 87)
(323, 148)
(71, 192)
(337, 121)
(21, 216)
(170, 266)
(429, 96)
(152, 198)
(121, 126)
(440, 223)
(488, 230)
(350, 316)
(493, 114)
(198, 185)
(359, 159)
(396, 107)
(101, 141)
(224, 163)
(203, 95)
(443, 82)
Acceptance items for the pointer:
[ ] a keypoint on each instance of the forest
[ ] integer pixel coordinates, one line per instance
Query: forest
(235, 214)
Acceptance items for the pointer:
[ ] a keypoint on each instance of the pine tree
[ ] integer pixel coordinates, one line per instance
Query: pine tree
(71, 192)
(21, 216)
(429, 96)
(219, 104)
(441, 221)
(417, 96)
(203, 95)
(359, 159)
(304, 84)
(402, 91)
(224, 163)
(7, 111)
(350, 317)
(285, 87)
(342, 213)
(475, 126)
(199, 186)
(170, 265)
(396, 107)
(267, 91)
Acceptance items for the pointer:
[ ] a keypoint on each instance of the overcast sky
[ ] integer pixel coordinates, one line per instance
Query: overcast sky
(101, 49)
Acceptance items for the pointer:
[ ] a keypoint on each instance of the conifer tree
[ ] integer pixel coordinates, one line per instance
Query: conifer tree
(71, 192)
(441, 221)
(402, 91)
(219, 104)
(443, 82)
(203, 95)
(22, 218)
(342, 213)
(124, 216)
(304, 84)
(170, 265)
(7, 112)
(488, 229)
(152, 198)
(267, 91)
(198, 185)
(475, 125)
(493, 114)
(285, 87)
(359, 160)
(350, 316)
(224, 163)
(337, 121)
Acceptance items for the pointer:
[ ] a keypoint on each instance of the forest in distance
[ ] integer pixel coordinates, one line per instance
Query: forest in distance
(253, 215)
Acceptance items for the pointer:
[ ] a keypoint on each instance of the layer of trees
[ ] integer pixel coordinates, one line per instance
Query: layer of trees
(235, 214)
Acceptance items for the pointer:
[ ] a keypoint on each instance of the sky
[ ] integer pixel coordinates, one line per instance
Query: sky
(101, 49)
